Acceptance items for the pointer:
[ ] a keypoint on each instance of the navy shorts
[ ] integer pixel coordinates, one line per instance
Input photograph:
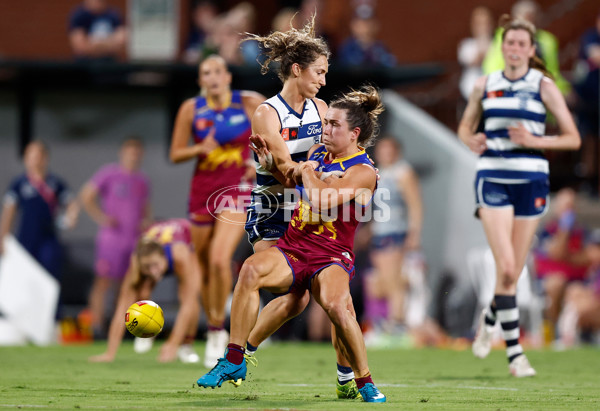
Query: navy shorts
(380, 242)
(263, 226)
(528, 198)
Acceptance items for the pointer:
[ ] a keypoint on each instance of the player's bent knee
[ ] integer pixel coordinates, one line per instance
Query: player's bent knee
(336, 310)
(250, 274)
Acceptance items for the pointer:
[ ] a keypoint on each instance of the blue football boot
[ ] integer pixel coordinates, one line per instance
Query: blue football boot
(371, 393)
(224, 371)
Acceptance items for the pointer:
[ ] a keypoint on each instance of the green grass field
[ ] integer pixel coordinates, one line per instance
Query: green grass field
(296, 376)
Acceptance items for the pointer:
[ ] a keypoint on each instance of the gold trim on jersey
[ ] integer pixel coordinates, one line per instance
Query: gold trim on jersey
(211, 104)
(341, 160)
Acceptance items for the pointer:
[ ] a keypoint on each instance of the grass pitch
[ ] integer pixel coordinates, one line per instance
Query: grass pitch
(296, 376)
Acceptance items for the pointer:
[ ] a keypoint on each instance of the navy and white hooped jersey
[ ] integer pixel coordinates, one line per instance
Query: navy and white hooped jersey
(507, 103)
(300, 131)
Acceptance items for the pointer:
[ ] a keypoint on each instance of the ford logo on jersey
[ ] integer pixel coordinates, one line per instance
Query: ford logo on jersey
(313, 129)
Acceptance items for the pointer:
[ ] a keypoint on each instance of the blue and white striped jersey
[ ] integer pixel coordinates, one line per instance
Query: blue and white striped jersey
(299, 131)
(507, 103)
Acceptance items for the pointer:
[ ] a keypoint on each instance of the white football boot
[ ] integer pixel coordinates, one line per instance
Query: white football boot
(142, 345)
(216, 343)
(187, 354)
(482, 344)
(520, 367)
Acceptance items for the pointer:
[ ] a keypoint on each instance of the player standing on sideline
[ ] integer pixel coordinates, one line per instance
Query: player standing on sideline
(219, 121)
(315, 253)
(164, 249)
(288, 124)
(511, 186)
(117, 198)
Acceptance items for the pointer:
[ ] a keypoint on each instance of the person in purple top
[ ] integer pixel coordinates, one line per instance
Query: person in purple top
(96, 31)
(117, 199)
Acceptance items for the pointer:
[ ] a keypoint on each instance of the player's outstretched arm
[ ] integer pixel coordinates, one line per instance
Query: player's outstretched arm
(127, 295)
(188, 274)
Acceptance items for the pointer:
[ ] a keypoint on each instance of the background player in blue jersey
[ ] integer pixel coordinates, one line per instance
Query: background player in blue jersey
(512, 174)
(219, 122)
(39, 196)
(288, 124)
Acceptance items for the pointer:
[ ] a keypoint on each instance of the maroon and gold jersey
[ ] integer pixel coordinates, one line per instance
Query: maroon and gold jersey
(224, 166)
(326, 236)
(176, 230)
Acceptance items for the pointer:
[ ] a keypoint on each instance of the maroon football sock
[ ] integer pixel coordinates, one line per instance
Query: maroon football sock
(360, 382)
(235, 354)
(216, 327)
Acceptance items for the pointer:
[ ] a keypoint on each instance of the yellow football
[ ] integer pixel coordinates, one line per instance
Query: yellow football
(144, 319)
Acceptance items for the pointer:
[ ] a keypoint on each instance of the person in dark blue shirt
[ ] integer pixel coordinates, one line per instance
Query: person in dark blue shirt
(362, 49)
(38, 195)
(204, 15)
(587, 87)
(96, 31)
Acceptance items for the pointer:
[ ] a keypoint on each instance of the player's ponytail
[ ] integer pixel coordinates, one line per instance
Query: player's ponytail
(289, 47)
(507, 23)
(363, 108)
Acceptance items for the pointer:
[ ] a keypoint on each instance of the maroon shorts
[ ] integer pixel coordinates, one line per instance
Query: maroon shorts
(208, 198)
(306, 265)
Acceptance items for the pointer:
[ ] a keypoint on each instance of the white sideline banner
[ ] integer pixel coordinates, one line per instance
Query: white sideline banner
(28, 294)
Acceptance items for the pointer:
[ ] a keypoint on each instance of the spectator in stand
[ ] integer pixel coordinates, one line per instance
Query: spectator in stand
(546, 45)
(283, 19)
(472, 50)
(560, 256)
(226, 38)
(38, 195)
(587, 88)
(581, 315)
(363, 49)
(96, 31)
(204, 14)
(117, 198)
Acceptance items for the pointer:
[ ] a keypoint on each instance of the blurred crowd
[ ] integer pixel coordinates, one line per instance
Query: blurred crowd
(98, 31)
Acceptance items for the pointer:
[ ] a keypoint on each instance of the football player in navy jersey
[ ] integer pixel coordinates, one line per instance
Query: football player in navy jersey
(511, 185)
